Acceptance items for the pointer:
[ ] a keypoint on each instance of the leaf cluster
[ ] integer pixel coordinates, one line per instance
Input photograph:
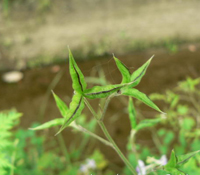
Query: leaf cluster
(81, 92)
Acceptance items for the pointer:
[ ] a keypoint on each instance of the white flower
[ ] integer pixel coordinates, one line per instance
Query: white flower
(141, 168)
(163, 160)
(84, 168)
(90, 164)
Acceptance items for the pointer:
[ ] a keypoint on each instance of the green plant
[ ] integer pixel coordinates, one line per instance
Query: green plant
(8, 119)
(183, 111)
(81, 94)
(180, 130)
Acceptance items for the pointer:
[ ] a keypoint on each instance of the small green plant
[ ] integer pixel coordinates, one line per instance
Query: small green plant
(180, 130)
(8, 120)
(125, 88)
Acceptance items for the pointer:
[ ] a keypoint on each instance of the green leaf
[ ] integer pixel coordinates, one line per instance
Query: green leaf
(148, 123)
(78, 82)
(159, 172)
(139, 73)
(61, 105)
(140, 96)
(102, 91)
(75, 109)
(175, 171)
(192, 166)
(123, 69)
(184, 158)
(132, 113)
(168, 138)
(188, 123)
(49, 124)
(172, 161)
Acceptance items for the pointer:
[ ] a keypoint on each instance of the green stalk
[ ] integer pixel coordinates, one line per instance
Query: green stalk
(80, 128)
(106, 106)
(106, 133)
(13, 157)
(121, 155)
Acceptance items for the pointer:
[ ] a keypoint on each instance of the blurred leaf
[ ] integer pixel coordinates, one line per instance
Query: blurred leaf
(145, 152)
(99, 159)
(189, 84)
(132, 113)
(182, 159)
(70, 170)
(182, 109)
(159, 172)
(188, 123)
(49, 124)
(132, 158)
(172, 161)
(147, 123)
(168, 137)
(192, 166)
(182, 139)
(195, 144)
(172, 98)
(161, 132)
(176, 162)
(156, 96)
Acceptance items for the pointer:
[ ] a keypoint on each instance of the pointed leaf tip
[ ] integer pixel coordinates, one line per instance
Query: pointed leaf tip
(139, 73)
(123, 70)
(78, 81)
(61, 105)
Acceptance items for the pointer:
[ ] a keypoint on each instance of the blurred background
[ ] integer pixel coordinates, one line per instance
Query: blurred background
(34, 40)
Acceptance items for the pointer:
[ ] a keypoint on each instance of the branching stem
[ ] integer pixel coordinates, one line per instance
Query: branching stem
(106, 133)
